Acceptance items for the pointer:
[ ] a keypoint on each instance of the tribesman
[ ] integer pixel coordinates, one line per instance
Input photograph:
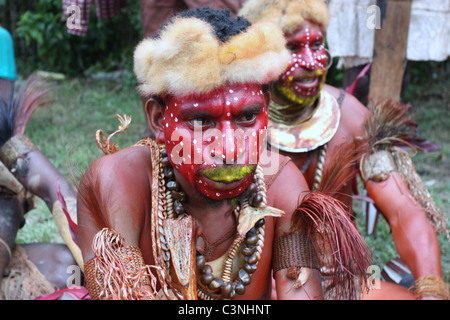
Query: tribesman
(325, 130)
(194, 214)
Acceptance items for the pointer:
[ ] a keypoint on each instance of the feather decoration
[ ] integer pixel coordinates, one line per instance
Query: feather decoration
(390, 124)
(343, 253)
(340, 167)
(352, 87)
(16, 112)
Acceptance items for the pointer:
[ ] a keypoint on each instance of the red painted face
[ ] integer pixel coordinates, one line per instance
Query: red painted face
(305, 74)
(215, 140)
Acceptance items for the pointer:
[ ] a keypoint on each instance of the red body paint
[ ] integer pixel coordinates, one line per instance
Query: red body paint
(216, 130)
(306, 70)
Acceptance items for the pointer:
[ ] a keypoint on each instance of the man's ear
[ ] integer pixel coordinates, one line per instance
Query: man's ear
(154, 111)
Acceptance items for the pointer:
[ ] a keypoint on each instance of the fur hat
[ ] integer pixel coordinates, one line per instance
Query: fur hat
(288, 14)
(189, 55)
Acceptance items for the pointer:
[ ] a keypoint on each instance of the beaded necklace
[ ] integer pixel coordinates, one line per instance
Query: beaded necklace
(167, 209)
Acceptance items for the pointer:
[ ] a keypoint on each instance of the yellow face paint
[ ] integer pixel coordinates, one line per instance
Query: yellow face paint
(285, 90)
(228, 173)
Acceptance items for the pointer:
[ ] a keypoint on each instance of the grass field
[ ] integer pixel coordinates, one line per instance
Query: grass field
(65, 133)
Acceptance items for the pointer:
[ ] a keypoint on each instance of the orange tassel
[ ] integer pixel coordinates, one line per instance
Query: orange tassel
(122, 278)
(335, 238)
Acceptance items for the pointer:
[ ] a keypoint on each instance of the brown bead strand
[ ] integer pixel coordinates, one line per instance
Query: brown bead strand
(221, 287)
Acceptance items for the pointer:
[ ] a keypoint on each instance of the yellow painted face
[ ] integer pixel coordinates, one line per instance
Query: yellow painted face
(305, 75)
(287, 91)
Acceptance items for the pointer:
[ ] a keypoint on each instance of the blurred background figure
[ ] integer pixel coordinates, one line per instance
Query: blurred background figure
(155, 12)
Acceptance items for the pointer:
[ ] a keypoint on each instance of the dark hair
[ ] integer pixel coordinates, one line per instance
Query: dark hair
(223, 23)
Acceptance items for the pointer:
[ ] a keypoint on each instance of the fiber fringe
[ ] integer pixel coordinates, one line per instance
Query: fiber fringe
(16, 112)
(121, 281)
(339, 246)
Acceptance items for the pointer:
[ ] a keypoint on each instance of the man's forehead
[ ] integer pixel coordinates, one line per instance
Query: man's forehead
(230, 95)
(308, 28)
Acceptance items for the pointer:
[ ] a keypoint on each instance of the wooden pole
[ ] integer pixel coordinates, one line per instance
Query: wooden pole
(389, 56)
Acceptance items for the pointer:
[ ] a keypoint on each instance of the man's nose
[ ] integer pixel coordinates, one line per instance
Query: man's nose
(307, 58)
(229, 144)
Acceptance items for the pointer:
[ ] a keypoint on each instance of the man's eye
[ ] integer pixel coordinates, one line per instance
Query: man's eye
(248, 117)
(293, 47)
(317, 45)
(200, 122)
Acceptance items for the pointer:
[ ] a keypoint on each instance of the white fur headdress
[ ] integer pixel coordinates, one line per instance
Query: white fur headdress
(288, 14)
(188, 58)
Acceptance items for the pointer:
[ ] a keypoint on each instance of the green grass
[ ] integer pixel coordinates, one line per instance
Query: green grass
(65, 133)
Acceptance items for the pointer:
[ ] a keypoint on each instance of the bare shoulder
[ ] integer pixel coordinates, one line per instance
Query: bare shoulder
(286, 191)
(114, 193)
(110, 175)
(353, 113)
(281, 168)
(125, 158)
(121, 163)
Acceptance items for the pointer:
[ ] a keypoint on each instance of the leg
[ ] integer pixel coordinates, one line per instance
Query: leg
(388, 291)
(53, 261)
(11, 214)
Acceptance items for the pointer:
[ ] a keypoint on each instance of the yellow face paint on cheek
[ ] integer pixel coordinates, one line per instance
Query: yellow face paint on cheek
(286, 90)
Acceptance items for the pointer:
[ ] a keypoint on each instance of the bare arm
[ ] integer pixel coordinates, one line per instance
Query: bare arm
(414, 237)
(287, 198)
(111, 196)
(41, 178)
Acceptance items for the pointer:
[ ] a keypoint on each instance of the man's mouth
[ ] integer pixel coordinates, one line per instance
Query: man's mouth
(227, 174)
(308, 82)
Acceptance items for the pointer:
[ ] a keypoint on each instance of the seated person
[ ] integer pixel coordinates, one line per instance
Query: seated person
(194, 215)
